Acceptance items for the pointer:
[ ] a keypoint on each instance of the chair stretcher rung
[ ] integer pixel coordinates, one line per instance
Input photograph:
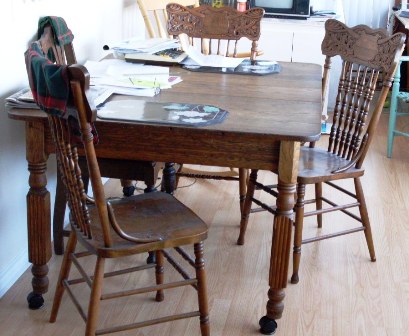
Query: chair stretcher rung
(84, 274)
(396, 132)
(114, 273)
(147, 323)
(148, 289)
(264, 206)
(185, 256)
(341, 189)
(177, 266)
(334, 207)
(269, 189)
(74, 300)
(331, 235)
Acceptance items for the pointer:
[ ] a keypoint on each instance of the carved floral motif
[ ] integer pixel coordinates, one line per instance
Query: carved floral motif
(220, 23)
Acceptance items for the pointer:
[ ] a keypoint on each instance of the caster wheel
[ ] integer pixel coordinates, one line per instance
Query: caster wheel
(267, 326)
(128, 191)
(151, 258)
(35, 301)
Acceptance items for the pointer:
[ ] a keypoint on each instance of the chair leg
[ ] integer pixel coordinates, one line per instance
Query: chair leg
(242, 186)
(59, 213)
(318, 202)
(178, 176)
(64, 272)
(365, 218)
(159, 275)
(247, 206)
(393, 111)
(299, 219)
(202, 289)
(128, 187)
(94, 302)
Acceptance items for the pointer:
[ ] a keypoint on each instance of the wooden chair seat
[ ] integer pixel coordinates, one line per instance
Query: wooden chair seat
(156, 215)
(317, 165)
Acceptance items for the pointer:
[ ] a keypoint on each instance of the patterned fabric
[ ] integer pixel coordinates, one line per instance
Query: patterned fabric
(48, 81)
(62, 34)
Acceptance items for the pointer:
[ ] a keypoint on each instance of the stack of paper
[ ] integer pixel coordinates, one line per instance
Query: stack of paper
(130, 79)
(24, 98)
(197, 58)
(145, 46)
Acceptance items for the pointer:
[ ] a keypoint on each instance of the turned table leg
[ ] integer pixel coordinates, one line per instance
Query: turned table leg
(281, 243)
(38, 213)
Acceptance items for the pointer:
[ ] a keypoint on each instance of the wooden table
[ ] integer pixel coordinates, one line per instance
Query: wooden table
(269, 116)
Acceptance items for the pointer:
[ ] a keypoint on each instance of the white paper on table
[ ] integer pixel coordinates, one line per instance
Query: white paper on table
(117, 67)
(147, 46)
(213, 60)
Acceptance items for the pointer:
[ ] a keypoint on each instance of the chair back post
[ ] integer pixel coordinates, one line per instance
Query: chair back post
(326, 81)
(79, 82)
(63, 54)
(366, 54)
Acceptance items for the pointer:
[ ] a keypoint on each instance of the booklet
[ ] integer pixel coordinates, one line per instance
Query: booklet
(162, 113)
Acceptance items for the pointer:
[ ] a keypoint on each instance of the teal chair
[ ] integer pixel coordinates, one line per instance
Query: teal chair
(399, 107)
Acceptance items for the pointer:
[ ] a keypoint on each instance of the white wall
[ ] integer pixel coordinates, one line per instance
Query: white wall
(94, 23)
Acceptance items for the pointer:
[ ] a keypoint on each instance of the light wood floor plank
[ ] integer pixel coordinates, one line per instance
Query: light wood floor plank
(341, 292)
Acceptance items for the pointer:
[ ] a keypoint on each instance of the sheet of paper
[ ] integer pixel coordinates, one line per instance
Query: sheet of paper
(212, 60)
(117, 67)
(146, 46)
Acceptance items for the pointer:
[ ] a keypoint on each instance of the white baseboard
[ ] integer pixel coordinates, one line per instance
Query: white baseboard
(17, 267)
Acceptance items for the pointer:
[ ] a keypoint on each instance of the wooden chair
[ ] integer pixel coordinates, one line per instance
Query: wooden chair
(399, 107)
(115, 228)
(217, 31)
(365, 53)
(155, 16)
(125, 170)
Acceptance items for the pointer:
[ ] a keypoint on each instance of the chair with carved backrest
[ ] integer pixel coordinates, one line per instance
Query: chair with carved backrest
(366, 55)
(62, 52)
(110, 228)
(155, 16)
(217, 31)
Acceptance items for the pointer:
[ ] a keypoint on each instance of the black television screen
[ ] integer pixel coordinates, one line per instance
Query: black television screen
(284, 8)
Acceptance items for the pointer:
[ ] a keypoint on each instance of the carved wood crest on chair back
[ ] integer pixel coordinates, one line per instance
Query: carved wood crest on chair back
(221, 24)
(367, 55)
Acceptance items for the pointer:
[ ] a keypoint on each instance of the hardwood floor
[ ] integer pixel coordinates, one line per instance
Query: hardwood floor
(340, 291)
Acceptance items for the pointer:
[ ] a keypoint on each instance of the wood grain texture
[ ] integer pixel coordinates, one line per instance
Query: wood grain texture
(341, 291)
(257, 123)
